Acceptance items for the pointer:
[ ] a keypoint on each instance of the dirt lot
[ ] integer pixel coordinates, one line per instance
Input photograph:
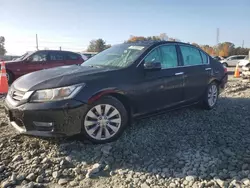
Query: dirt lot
(184, 148)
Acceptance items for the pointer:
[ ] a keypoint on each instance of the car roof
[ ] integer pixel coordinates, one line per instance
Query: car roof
(56, 51)
(155, 42)
(236, 55)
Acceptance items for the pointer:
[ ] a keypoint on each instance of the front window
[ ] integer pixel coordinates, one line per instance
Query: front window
(38, 56)
(120, 56)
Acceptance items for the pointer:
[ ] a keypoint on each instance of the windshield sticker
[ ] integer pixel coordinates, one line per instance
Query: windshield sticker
(136, 47)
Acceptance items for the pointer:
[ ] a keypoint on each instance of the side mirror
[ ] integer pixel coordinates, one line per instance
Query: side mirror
(152, 66)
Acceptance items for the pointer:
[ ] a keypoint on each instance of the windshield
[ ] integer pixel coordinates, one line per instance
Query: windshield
(23, 56)
(121, 55)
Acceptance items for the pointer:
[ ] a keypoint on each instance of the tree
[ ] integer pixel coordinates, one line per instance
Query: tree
(195, 44)
(225, 48)
(163, 36)
(137, 38)
(2, 48)
(97, 45)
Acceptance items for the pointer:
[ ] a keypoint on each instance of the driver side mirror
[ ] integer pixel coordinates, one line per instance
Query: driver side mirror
(152, 66)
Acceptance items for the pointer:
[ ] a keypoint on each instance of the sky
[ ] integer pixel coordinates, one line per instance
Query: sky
(71, 24)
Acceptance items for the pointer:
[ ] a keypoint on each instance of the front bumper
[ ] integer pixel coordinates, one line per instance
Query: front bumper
(60, 118)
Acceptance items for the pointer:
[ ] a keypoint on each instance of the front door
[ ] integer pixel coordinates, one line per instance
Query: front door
(197, 71)
(34, 62)
(161, 88)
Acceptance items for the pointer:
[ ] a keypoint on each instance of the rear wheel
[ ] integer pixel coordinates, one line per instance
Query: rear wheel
(105, 120)
(211, 96)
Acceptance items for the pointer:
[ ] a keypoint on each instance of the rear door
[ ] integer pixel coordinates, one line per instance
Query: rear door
(55, 59)
(197, 72)
(162, 88)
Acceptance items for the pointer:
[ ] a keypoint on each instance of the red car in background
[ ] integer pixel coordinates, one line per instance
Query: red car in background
(38, 60)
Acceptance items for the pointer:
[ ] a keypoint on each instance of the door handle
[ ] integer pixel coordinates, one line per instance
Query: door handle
(179, 73)
(207, 68)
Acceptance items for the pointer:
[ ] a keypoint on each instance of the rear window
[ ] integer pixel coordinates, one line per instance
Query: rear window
(72, 56)
(56, 56)
(205, 57)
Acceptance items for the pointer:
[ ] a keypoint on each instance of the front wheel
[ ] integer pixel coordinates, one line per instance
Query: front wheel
(105, 120)
(211, 96)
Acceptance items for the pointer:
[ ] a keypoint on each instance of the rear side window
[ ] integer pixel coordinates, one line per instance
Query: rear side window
(191, 56)
(169, 56)
(72, 56)
(241, 57)
(205, 57)
(56, 56)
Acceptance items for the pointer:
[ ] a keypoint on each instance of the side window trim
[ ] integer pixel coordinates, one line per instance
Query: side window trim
(179, 54)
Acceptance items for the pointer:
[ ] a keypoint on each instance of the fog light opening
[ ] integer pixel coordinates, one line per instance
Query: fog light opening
(43, 124)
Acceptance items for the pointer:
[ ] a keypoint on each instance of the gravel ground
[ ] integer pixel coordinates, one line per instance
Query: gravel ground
(183, 148)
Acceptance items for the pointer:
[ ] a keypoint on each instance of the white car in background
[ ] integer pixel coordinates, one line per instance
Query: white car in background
(232, 60)
(244, 61)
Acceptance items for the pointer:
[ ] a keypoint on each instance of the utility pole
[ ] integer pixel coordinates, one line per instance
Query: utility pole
(36, 42)
(243, 44)
(217, 36)
(60, 48)
(217, 40)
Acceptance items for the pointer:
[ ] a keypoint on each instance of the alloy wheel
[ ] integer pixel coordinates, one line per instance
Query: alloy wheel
(212, 95)
(102, 122)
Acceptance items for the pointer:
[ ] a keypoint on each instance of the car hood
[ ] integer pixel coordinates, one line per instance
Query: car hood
(59, 77)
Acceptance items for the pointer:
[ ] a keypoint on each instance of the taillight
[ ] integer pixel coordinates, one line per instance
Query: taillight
(225, 69)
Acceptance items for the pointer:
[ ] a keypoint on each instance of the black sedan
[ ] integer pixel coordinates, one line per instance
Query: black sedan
(99, 98)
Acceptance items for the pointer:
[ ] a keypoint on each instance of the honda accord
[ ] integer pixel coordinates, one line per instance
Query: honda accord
(99, 98)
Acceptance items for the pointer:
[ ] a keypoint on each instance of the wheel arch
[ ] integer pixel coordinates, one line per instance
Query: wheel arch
(119, 95)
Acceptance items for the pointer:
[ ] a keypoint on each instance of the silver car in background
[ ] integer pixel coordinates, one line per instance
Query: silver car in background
(232, 60)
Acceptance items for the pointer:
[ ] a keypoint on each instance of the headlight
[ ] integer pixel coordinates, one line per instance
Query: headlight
(55, 94)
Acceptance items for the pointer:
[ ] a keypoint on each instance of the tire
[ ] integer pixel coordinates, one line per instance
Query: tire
(115, 124)
(225, 64)
(10, 77)
(207, 102)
